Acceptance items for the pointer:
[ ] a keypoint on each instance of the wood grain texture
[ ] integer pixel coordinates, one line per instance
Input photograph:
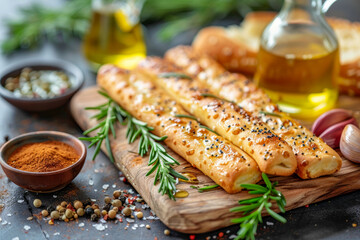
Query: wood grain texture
(207, 211)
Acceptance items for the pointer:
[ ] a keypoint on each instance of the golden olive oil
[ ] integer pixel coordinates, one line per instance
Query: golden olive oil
(300, 75)
(114, 38)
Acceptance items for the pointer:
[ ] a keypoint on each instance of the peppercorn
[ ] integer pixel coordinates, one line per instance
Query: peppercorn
(80, 212)
(139, 215)
(63, 204)
(122, 199)
(107, 207)
(55, 215)
(94, 217)
(45, 213)
(50, 209)
(76, 216)
(97, 212)
(63, 217)
(112, 214)
(148, 226)
(78, 204)
(107, 200)
(126, 211)
(116, 194)
(87, 202)
(69, 213)
(37, 203)
(167, 232)
(115, 209)
(104, 212)
(61, 209)
(89, 211)
(116, 203)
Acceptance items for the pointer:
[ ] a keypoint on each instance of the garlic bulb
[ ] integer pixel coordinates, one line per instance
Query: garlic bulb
(350, 143)
(330, 125)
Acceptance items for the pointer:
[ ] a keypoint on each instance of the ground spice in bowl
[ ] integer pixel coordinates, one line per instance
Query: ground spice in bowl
(45, 156)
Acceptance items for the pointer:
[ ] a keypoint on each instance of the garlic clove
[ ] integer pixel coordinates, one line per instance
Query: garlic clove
(332, 135)
(350, 143)
(330, 118)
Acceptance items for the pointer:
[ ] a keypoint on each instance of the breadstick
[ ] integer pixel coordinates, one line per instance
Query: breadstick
(272, 154)
(217, 158)
(314, 157)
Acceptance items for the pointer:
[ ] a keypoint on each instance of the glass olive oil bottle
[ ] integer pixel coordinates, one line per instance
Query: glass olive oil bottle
(115, 35)
(298, 61)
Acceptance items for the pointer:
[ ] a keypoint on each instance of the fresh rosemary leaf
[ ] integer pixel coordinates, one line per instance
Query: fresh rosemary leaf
(205, 188)
(185, 116)
(217, 97)
(271, 114)
(160, 160)
(251, 208)
(174, 75)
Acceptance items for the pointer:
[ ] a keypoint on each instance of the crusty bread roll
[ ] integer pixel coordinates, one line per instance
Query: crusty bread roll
(314, 157)
(236, 47)
(272, 154)
(217, 158)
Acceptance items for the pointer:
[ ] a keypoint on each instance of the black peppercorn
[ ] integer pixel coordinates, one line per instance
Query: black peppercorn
(107, 207)
(122, 199)
(50, 209)
(87, 202)
(89, 211)
(94, 217)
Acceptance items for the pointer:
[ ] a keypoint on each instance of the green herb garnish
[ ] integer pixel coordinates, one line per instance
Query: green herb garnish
(251, 208)
(271, 114)
(205, 188)
(217, 97)
(194, 118)
(174, 75)
(161, 161)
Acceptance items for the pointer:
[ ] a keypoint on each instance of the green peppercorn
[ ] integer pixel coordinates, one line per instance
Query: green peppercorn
(80, 212)
(37, 203)
(44, 213)
(69, 213)
(112, 214)
(55, 215)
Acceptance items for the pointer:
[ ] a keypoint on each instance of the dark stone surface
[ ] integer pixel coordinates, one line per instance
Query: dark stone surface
(331, 219)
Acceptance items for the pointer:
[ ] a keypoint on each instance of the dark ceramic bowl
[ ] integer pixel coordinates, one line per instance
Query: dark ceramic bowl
(42, 181)
(37, 105)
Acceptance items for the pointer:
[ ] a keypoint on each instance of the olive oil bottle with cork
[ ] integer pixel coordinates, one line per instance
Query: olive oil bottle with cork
(298, 60)
(115, 34)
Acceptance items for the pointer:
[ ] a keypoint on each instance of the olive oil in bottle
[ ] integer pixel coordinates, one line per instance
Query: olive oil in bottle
(298, 60)
(115, 35)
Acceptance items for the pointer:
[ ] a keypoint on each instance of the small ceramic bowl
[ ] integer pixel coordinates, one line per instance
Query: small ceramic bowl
(37, 105)
(42, 181)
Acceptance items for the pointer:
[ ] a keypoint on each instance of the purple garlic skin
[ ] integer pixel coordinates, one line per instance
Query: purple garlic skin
(330, 125)
(350, 143)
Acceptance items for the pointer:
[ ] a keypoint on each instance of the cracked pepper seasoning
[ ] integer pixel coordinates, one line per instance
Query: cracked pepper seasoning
(43, 156)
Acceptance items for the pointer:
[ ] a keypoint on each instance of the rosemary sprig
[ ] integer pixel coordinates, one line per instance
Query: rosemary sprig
(174, 74)
(161, 161)
(217, 97)
(251, 208)
(205, 188)
(271, 114)
(194, 118)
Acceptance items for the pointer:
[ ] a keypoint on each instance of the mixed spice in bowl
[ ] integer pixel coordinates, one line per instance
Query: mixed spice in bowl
(43, 161)
(40, 85)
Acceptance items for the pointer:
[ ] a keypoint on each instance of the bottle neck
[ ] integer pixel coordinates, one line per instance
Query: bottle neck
(301, 9)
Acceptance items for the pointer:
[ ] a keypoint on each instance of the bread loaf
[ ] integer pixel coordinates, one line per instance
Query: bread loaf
(217, 158)
(314, 157)
(236, 47)
(272, 154)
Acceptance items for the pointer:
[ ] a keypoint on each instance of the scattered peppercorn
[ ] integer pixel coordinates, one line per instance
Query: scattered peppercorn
(97, 212)
(78, 204)
(80, 212)
(126, 211)
(167, 232)
(122, 199)
(69, 213)
(89, 211)
(139, 215)
(55, 215)
(104, 212)
(148, 226)
(107, 207)
(37, 203)
(116, 209)
(107, 200)
(116, 203)
(63, 204)
(116, 194)
(94, 217)
(112, 214)
(44, 213)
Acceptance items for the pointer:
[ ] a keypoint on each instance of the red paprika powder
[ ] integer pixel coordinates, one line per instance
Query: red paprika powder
(43, 156)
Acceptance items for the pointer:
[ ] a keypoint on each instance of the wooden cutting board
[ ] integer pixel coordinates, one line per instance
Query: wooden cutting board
(207, 211)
